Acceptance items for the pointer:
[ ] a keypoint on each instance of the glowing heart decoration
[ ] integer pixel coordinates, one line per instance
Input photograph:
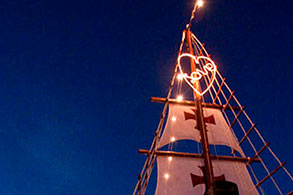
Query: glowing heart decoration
(209, 67)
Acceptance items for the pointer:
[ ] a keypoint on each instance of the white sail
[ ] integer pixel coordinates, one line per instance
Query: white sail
(181, 124)
(184, 176)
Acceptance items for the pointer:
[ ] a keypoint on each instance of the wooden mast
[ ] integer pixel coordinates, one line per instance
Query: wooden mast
(208, 171)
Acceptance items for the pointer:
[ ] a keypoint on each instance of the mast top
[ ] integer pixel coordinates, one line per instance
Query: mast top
(198, 3)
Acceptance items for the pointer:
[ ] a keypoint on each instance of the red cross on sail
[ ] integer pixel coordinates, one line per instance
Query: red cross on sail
(174, 176)
(182, 124)
(192, 116)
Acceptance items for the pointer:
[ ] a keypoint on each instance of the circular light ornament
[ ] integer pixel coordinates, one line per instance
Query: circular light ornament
(191, 79)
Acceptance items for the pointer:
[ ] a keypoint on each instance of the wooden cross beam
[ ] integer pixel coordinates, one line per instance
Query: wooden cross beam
(193, 155)
(191, 103)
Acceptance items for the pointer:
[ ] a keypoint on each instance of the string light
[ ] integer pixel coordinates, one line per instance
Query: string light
(173, 118)
(166, 175)
(198, 74)
(180, 77)
(199, 3)
(170, 158)
(173, 139)
(179, 98)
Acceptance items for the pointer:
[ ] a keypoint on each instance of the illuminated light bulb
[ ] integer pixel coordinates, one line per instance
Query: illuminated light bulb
(170, 158)
(200, 3)
(180, 77)
(173, 118)
(179, 98)
(173, 139)
(166, 176)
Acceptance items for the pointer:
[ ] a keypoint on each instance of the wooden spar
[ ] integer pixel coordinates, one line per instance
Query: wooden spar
(258, 153)
(235, 119)
(191, 103)
(208, 171)
(193, 155)
(228, 101)
(247, 133)
(220, 88)
(270, 175)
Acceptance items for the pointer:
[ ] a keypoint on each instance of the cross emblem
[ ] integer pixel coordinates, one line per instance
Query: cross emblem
(210, 119)
(196, 180)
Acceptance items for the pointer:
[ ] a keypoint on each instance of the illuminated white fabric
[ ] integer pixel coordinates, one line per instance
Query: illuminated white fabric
(218, 133)
(179, 180)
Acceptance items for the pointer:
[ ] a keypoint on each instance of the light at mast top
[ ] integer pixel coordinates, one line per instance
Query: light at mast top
(199, 3)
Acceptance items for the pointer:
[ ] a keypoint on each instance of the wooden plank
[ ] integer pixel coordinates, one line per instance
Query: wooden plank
(191, 103)
(193, 155)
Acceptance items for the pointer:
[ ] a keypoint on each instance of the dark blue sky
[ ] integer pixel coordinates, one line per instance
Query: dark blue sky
(76, 79)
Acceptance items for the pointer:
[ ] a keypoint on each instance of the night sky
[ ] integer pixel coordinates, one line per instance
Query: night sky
(76, 79)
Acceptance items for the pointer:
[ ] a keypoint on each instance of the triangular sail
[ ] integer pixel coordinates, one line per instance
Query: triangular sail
(184, 176)
(182, 124)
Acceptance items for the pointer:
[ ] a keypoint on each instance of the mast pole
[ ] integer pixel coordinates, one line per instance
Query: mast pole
(208, 170)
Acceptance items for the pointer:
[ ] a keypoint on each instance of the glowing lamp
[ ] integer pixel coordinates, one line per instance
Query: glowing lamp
(166, 175)
(173, 118)
(200, 3)
(173, 139)
(179, 98)
(170, 158)
(179, 77)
